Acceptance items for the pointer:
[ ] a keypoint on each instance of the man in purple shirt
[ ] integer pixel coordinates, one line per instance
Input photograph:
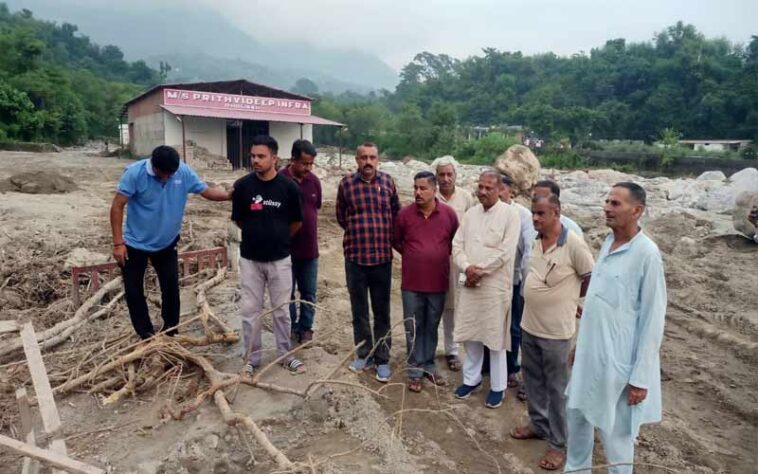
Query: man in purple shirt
(423, 235)
(304, 249)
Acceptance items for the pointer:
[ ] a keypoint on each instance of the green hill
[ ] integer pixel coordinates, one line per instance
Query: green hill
(58, 86)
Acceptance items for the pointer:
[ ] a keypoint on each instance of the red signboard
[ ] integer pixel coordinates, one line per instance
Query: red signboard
(213, 100)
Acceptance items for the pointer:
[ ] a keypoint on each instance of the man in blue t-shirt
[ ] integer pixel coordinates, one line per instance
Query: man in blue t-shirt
(154, 191)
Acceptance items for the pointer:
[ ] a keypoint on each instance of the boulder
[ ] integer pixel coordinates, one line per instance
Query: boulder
(712, 176)
(746, 203)
(745, 180)
(522, 166)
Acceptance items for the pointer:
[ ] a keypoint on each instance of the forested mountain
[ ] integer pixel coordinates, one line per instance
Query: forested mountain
(699, 87)
(156, 31)
(57, 86)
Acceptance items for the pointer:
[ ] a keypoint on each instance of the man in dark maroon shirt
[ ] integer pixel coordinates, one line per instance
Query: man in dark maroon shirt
(304, 248)
(423, 235)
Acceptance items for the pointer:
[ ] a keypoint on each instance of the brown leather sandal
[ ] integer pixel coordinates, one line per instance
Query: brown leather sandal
(525, 432)
(553, 460)
(415, 385)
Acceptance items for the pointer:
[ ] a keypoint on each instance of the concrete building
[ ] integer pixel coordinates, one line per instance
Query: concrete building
(222, 117)
(715, 145)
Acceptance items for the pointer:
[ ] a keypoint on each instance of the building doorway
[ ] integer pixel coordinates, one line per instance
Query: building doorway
(239, 138)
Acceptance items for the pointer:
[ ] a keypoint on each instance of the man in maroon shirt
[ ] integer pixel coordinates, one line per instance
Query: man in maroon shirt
(304, 249)
(423, 235)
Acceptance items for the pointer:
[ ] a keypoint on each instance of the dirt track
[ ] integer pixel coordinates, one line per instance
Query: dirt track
(709, 356)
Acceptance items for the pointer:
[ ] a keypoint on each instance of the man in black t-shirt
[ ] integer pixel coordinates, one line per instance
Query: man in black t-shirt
(267, 207)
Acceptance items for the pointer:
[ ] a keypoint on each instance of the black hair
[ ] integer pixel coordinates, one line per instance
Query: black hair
(507, 180)
(303, 146)
(428, 175)
(165, 159)
(267, 141)
(636, 191)
(366, 145)
(551, 185)
(551, 198)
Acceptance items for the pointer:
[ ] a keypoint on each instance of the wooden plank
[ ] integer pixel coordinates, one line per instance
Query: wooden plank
(9, 326)
(30, 466)
(49, 412)
(51, 458)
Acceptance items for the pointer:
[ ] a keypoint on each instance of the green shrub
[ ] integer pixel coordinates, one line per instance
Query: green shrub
(485, 150)
(562, 159)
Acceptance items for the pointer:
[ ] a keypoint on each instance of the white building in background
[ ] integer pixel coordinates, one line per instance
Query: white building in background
(222, 117)
(715, 145)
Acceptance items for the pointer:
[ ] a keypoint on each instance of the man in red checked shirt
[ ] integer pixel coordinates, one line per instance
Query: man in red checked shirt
(367, 204)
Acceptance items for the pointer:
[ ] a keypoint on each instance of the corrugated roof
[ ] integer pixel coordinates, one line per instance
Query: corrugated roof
(239, 86)
(248, 115)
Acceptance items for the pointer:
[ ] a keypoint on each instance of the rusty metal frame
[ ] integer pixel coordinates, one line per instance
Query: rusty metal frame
(208, 258)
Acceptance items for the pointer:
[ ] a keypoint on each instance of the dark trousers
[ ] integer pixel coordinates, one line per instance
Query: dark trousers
(374, 282)
(304, 281)
(517, 311)
(422, 313)
(546, 374)
(166, 265)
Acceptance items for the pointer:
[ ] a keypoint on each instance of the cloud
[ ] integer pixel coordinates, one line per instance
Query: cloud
(395, 30)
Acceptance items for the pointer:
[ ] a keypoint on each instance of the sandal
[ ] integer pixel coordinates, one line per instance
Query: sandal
(436, 379)
(415, 385)
(525, 432)
(453, 363)
(295, 366)
(521, 394)
(552, 460)
(512, 381)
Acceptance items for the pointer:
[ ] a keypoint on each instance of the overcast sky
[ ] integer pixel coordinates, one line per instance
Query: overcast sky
(395, 30)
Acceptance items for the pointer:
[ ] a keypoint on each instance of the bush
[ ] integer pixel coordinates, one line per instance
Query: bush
(750, 152)
(562, 159)
(485, 150)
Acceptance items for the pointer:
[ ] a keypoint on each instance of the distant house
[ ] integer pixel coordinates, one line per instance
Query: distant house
(715, 145)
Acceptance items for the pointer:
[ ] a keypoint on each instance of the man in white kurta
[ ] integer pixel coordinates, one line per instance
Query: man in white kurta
(615, 385)
(461, 201)
(484, 249)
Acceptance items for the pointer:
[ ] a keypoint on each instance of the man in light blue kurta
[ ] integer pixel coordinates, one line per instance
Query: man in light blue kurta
(615, 384)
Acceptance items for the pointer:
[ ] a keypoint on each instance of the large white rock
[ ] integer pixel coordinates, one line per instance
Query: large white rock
(745, 180)
(712, 176)
(522, 166)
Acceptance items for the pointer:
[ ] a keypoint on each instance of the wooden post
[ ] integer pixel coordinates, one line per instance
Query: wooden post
(50, 418)
(55, 459)
(184, 142)
(30, 466)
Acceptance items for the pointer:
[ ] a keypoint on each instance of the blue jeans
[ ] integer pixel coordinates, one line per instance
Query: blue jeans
(517, 311)
(304, 281)
(422, 313)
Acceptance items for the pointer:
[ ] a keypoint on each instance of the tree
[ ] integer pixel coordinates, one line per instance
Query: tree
(305, 86)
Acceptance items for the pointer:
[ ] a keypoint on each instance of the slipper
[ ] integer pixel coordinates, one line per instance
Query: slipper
(512, 381)
(295, 366)
(525, 432)
(415, 385)
(436, 379)
(453, 363)
(552, 460)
